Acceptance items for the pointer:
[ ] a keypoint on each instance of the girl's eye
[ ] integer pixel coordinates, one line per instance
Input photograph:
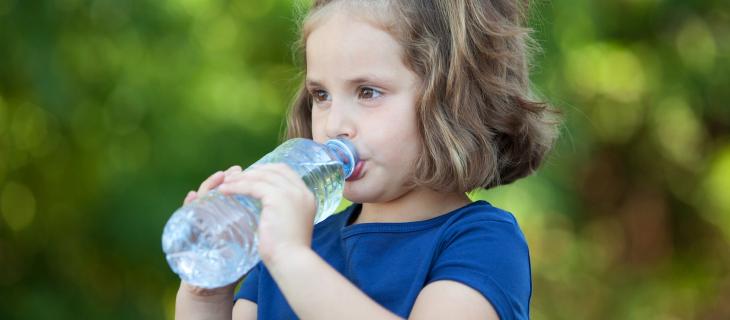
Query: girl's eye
(319, 95)
(368, 93)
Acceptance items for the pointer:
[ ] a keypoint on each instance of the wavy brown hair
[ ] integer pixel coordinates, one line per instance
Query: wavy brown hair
(479, 126)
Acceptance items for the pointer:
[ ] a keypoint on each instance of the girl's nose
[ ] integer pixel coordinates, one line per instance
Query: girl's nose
(340, 122)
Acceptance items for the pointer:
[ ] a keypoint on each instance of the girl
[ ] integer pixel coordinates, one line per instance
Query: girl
(434, 96)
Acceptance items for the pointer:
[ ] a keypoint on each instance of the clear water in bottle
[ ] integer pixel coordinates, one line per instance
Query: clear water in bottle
(212, 241)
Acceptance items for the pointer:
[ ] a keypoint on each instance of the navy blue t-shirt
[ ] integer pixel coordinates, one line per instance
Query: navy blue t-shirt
(478, 245)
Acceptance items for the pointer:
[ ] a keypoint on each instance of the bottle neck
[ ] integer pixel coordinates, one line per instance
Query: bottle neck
(345, 152)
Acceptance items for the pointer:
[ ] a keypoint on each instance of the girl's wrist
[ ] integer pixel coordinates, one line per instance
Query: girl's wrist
(198, 293)
(285, 254)
(198, 303)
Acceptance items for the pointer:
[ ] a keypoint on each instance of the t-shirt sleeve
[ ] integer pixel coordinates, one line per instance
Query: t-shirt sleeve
(250, 287)
(491, 257)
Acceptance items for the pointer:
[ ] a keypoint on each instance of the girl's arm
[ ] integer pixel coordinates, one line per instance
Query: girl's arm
(315, 290)
(196, 303)
(245, 310)
(312, 287)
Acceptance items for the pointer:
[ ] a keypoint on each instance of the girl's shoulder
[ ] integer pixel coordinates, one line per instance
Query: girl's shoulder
(480, 213)
(481, 220)
(482, 210)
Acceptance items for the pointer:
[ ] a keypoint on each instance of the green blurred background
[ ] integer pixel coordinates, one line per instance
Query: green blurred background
(111, 110)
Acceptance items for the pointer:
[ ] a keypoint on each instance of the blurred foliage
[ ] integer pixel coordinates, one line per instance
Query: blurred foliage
(110, 111)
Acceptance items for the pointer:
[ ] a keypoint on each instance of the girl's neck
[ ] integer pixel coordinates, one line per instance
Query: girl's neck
(415, 205)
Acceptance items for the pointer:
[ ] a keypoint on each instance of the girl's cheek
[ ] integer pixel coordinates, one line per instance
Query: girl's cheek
(317, 134)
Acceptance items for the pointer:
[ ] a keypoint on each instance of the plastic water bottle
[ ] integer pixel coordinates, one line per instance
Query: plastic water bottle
(212, 241)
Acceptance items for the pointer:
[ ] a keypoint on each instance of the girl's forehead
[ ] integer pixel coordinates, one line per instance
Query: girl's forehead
(351, 28)
(341, 39)
(375, 13)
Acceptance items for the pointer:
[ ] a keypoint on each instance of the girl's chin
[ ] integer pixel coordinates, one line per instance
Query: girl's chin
(356, 192)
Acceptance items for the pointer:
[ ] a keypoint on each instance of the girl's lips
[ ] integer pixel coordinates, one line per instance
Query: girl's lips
(357, 172)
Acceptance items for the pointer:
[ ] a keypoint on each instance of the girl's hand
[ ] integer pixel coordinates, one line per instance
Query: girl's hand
(194, 302)
(212, 182)
(288, 208)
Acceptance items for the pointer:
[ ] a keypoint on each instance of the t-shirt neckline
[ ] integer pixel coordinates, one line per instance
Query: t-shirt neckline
(349, 229)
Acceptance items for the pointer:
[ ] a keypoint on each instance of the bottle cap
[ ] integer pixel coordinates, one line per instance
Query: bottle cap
(346, 152)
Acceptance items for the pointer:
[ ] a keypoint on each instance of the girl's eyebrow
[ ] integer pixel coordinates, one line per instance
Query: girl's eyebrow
(355, 81)
(368, 79)
(312, 83)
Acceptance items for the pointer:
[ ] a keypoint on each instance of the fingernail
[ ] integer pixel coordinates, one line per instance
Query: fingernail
(191, 195)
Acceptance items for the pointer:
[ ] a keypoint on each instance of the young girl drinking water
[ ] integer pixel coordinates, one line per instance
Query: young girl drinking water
(434, 96)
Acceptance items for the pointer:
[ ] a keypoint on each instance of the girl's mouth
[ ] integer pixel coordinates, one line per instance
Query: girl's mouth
(357, 173)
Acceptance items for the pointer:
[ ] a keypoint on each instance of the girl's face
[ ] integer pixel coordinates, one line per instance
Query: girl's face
(362, 89)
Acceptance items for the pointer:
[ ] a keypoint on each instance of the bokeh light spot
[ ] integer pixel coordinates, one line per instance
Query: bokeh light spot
(218, 36)
(28, 127)
(715, 191)
(615, 122)
(678, 130)
(250, 12)
(195, 8)
(696, 45)
(18, 206)
(606, 69)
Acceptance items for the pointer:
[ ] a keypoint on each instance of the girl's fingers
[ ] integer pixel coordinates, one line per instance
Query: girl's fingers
(256, 189)
(271, 180)
(247, 181)
(232, 170)
(261, 177)
(267, 171)
(212, 182)
(246, 187)
(190, 197)
(287, 173)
